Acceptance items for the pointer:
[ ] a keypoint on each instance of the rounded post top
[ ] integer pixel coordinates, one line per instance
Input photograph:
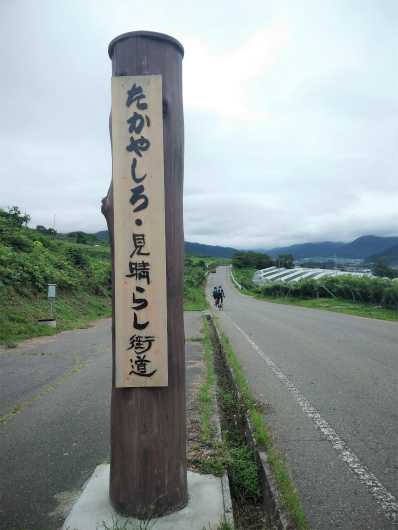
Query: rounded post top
(149, 35)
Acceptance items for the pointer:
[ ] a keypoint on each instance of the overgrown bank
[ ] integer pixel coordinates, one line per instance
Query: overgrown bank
(21, 308)
(80, 266)
(29, 261)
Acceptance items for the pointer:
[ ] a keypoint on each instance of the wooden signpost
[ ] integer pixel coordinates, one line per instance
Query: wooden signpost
(143, 210)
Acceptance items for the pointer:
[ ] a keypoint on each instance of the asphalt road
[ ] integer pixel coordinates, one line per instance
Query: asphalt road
(329, 384)
(51, 447)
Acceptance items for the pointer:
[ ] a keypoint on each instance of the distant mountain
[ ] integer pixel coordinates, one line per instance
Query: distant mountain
(209, 250)
(361, 248)
(103, 234)
(365, 246)
(194, 248)
(390, 253)
(326, 249)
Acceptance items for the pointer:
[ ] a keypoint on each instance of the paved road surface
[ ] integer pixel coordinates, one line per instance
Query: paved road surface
(330, 385)
(50, 448)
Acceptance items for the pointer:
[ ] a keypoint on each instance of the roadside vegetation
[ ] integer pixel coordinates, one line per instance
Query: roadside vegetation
(212, 454)
(366, 296)
(380, 266)
(196, 269)
(244, 403)
(80, 266)
(30, 260)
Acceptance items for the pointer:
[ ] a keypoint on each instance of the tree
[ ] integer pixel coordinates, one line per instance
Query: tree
(45, 231)
(15, 216)
(285, 261)
(81, 237)
(263, 261)
(251, 260)
(13, 233)
(383, 270)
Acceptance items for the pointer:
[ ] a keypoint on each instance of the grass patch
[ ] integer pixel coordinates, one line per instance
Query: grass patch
(222, 525)
(231, 453)
(348, 307)
(353, 296)
(205, 397)
(105, 460)
(20, 309)
(145, 522)
(209, 455)
(194, 298)
(244, 474)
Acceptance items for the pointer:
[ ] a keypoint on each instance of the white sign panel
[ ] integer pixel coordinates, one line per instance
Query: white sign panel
(139, 232)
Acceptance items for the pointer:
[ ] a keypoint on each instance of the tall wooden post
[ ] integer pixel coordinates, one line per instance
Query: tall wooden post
(148, 451)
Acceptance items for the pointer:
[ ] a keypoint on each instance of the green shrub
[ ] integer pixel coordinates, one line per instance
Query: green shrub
(379, 291)
(30, 258)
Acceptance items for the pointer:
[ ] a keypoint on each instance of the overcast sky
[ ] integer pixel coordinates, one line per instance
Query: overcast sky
(295, 142)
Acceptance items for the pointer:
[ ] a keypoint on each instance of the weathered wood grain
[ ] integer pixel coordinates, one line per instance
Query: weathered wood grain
(148, 459)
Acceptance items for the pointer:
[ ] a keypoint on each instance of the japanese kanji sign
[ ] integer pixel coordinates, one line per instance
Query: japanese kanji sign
(139, 232)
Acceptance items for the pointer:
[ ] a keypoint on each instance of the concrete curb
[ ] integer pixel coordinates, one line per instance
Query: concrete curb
(277, 517)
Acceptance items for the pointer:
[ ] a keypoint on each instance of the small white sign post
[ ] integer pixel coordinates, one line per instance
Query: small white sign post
(51, 296)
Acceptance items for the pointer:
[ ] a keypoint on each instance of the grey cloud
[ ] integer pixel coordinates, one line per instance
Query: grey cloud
(306, 174)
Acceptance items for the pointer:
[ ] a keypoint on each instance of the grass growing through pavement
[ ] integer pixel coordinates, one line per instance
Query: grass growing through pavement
(222, 525)
(205, 398)
(17, 409)
(120, 523)
(232, 451)
(210, 455)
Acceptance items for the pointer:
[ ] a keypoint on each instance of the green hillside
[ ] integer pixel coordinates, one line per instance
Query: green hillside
(80, 266)
(391, 255)
(30, 260)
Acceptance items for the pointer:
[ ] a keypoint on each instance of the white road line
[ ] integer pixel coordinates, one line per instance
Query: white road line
(376, 488)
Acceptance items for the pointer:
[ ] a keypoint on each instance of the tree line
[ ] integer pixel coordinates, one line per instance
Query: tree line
(256, 260)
